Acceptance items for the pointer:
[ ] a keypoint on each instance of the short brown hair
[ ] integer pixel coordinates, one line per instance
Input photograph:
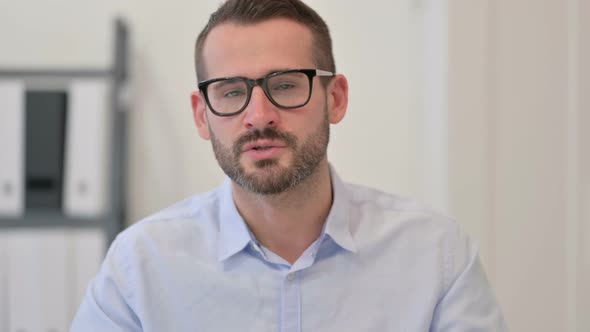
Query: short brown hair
(256, 11)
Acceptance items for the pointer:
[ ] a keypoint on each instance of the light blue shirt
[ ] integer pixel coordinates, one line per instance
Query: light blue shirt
(382, 263)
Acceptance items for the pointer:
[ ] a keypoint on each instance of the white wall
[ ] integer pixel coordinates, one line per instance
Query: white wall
(375, 48)
(519, 174)
(584, 148)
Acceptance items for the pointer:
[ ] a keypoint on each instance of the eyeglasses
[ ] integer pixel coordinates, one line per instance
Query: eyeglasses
(287, 89)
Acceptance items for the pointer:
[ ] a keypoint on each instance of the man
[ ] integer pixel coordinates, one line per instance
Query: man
(284, 244)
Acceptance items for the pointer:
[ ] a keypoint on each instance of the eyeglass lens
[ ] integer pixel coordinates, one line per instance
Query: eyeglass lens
(286, 90)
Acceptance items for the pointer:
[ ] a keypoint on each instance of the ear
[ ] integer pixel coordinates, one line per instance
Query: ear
(337, 98)
(199, 114)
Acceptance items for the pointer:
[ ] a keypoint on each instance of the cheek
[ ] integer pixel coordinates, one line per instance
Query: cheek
(315, 115)
(224, 131)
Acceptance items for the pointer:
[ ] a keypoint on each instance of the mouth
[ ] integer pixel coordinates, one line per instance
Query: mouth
(261, 148)
(264, 149)
(263, 145)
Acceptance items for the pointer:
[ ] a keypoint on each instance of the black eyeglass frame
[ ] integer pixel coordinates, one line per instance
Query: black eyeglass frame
(262, 83)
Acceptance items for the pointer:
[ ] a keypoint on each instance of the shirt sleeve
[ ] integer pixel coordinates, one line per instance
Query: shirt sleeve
(106, 306)
(468, 304)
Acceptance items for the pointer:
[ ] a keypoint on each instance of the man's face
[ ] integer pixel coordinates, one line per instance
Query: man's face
(264, 149)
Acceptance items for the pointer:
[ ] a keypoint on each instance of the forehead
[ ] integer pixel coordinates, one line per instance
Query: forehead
(254, 50)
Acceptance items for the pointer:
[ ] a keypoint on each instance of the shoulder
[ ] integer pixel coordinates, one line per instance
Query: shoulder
(197, 209)
(189, 225)
(200, 205)
(382, 207)
(399, 224)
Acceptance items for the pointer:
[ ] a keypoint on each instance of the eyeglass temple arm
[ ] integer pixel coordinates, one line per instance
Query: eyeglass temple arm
(320, 72)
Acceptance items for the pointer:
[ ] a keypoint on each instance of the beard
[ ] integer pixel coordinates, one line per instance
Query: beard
(269, 176)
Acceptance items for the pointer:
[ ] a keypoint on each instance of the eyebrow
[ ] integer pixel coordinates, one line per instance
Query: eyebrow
(228, 80)
(277, 70)
(272, 71)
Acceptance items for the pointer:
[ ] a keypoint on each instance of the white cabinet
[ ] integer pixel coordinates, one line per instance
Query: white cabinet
(86, 256)
(44, 275)
(3, 284)
(25, 282)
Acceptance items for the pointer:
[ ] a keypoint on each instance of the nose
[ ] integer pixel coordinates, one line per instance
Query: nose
(260, 112)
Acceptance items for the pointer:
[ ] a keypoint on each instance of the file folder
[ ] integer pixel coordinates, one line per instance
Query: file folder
(11, 148)
(46, 112)
(88, 142)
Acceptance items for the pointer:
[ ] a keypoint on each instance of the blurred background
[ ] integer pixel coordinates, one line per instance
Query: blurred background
(480, 108)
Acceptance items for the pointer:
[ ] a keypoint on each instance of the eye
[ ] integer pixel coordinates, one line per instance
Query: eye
(233, 94)
(283, 86)
(228, 89)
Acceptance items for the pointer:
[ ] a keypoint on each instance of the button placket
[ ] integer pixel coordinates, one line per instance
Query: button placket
(291, 304)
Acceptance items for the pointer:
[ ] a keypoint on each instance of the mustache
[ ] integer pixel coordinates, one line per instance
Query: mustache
(268, 133)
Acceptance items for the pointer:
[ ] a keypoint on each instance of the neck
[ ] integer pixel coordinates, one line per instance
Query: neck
(288, 223)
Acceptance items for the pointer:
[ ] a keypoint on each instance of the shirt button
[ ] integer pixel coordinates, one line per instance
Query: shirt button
(290, 276)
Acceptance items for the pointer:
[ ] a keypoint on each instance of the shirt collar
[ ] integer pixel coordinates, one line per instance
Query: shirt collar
(234, 234)
(338, 222)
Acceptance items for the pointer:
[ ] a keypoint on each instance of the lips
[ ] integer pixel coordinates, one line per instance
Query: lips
(264, 149)
(263, 145)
